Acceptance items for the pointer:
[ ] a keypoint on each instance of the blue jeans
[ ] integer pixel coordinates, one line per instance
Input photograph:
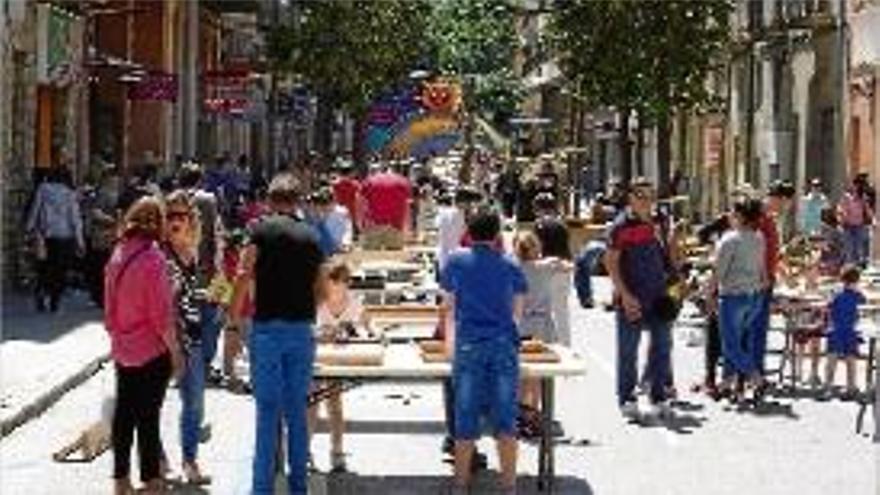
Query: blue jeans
(192, 398)
(760, 327)
(629, 335)
(485, 376)
(585, 265)
(212, 323)
(738, 318)
(282, 356)
(856, 243)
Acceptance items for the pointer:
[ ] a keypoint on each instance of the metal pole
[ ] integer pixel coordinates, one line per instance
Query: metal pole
(126, 110)
(190, 79)
(272, 109)
(840, 171)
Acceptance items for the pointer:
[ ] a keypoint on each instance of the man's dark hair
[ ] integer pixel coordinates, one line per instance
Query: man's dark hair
(781, 189)
(284, 189)
(544, 202)
(749, 210)
(467, 195)
(484, 225)
(190, 175)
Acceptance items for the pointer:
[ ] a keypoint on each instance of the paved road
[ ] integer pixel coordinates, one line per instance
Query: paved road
(796, 446)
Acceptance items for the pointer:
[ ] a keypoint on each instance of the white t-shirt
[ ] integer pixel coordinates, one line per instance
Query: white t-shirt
(338, 224)
(352, 312)
(450, 230)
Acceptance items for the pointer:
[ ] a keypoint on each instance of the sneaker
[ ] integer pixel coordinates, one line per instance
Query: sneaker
(850, 394)
(479, 461)
(448, 447)
(630, 410)
(814, 382)
(337, 462)
(205, 433)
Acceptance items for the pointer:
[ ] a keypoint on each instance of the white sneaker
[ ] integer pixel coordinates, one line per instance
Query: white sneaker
(630, 410)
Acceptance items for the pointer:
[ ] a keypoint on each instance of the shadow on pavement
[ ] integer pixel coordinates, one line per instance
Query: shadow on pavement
(21, 321)
(484, 483)
(384, 427)
(676, 422)
(766, 408)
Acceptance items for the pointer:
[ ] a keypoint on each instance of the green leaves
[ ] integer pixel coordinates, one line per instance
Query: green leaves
(476, 40)
(350, 50)
(648, 55)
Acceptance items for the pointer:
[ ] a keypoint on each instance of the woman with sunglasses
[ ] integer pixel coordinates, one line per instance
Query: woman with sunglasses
(181, 246)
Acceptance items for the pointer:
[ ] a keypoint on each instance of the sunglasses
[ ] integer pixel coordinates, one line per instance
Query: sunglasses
(642, 194)
(176, 215)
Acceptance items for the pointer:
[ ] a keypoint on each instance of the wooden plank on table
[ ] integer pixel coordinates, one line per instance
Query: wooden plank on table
(350, 354)
(402, 309)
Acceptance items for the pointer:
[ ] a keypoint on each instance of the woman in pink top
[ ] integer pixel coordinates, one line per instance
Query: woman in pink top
(139, 315)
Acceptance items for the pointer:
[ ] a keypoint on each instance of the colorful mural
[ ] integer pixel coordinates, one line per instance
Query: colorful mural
(418, 121)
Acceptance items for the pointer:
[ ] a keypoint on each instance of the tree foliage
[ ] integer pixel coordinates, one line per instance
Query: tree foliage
(476, 40)
(351, 50)
(647, 55)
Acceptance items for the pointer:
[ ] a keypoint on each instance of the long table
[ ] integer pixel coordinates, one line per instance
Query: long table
(403, 362)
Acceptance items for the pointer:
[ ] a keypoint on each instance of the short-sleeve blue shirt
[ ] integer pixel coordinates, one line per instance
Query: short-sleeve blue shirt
(844, 311)
(484, 283)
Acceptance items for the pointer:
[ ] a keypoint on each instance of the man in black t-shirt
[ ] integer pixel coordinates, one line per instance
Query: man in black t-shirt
(282, 264)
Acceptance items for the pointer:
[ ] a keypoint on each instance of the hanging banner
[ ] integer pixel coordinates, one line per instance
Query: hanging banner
(155, 87)
(230, 93)
(59, 45)
(713, 146)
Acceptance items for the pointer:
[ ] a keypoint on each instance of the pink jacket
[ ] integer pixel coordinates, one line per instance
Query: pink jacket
(138, 304)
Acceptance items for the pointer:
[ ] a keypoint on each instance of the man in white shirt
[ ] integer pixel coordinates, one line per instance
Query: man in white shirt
(451, 221)
(337, 219)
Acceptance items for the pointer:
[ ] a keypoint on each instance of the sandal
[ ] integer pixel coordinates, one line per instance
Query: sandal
(192, 475)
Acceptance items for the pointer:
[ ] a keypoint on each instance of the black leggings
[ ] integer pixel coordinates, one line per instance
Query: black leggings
(52, 272)
(140, 392)
(713, 349)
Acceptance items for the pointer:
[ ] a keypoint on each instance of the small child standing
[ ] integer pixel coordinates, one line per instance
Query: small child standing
(843, 340)
(340, 317)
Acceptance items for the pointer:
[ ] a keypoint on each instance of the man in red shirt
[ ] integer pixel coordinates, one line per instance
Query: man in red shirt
(347, 192)
(779, 198)
(386, 200)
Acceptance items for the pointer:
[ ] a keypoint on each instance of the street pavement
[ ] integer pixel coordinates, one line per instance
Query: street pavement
(787, 446)
(42, 354)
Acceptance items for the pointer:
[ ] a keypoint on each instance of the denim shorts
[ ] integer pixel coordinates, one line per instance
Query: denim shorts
(485, 376)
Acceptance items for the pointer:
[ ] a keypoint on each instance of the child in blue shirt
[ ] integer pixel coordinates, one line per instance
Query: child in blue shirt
(843, 340)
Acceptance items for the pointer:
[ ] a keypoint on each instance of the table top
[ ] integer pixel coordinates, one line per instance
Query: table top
(404, 361)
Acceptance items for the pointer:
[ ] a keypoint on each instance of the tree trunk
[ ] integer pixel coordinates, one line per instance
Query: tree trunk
(465, 171)
(640, 148)
(324, 125)
(624, 144)
(357, 151)
(664, 155)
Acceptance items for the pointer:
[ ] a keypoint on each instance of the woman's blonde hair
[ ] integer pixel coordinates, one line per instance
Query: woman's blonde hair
(145, 218)
(527, 246)
(184, 200)
(338, 271)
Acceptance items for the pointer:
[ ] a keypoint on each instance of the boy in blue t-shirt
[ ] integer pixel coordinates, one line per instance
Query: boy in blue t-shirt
(484, 289)
(843, 340)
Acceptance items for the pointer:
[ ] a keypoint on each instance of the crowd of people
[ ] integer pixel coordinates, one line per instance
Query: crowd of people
(176, 262)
